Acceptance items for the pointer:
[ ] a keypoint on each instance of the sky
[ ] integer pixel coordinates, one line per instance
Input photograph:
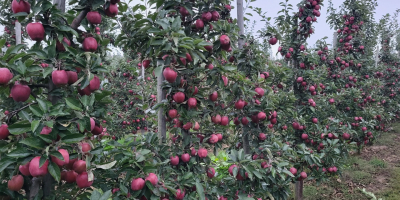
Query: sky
(322, 29)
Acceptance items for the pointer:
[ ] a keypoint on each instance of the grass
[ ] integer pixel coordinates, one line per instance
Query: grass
(378, 174)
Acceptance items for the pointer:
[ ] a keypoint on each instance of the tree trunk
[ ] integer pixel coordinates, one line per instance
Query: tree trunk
(299, 190)
(240, 22)
(34, 188)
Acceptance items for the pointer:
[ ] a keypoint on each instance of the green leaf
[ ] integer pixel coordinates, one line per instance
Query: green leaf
(43, 104)
(2, 42)
(57, 155)
(107, 166)
(230, 68)
(36, 110)
(73, 138)
(20, 127)
(200, 190)
(5, 162)
(73, 103)
(95, 195)
(35, 125)
(19, 153)
(35, 142)
(106, 195)
(54, 170)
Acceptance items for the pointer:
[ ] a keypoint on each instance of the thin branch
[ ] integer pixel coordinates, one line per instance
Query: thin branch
(77, 21)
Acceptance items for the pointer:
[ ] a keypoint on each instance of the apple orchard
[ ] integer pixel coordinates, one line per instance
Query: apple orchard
(195, 108)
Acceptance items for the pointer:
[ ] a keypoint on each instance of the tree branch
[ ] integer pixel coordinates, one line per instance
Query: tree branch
(77, 21)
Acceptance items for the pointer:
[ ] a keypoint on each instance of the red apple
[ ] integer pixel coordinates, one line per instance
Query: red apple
(35, 31)
(59, 77)
(199, 24)
(112, 10)
(70, 176)
(20, 93)
(262, 136)
(137, 184)
(152, 178)
(273, 41)
(224, 121)
(46, 130)
(24, 169)
(202, 153)
(94, 17)
(60, 45)
(179, 97)
(170, 75)
(185, 157)
(79, 166)
(173, 113)
(210, 172)
(213, 139)
(293, 170)
(16, 183)
(5, 75)
(72, 77)
(89, 44)
(4, 133)
(239, 104)
(192, 102)
(21, 6)
(94, 84)
(260, 92)
(82, 180)
(214, 96)
(174, 160)
(179, 194)
(59, 162)
(34, 168)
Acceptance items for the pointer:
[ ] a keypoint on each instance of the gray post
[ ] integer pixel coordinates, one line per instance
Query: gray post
(161, 117)
(240, 22)
(18, 34)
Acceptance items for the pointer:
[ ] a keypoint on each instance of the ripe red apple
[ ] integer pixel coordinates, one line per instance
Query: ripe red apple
(174, 160)
(303, 175)
(46, 130)
(24, 169)
(261, 116)
(152, 178)
(262, 136)
(59, 77)
(34, 168)
(260, 92)
(184, 12)
(179, 97)
(230, 169)
(16, 183)
(137, 184)
(224, 121)
(72, 77)
(215, 16)
(5, 75)
(94, 17)
(4, 133)
(219, 136)
(79, 166)
(210, 172)
(59, 162)
(82, 180)
(179, 195)
(225, 79)
(35, 31)
(97, 129)
(94, 84)
(170, 75)
(89, 44)
(192, 102)
(199, 24)
(196, 126)
(202, 153)
(209, 48)
(185, 157)
(273, 41)
(112, 10)
(60, 45)
(293, 170)
(21, 6)
(216, 119)
(224, 40)
(239, 104)
(315, 120)
(213, 139)
(206, 17)
(69, 176)
(304, 136)
(214, 96)
(173, 113)
(20, 93)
